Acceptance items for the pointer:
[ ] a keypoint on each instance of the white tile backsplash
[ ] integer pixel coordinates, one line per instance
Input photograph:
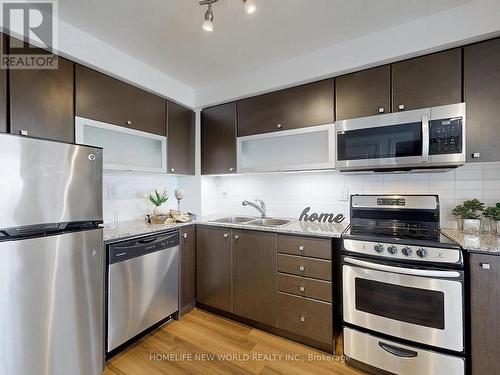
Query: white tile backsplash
(123, 194)
(287, 194)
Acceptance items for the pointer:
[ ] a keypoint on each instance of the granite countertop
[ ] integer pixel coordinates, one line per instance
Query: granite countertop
(332, 230)
(477, 243)
(134, 228)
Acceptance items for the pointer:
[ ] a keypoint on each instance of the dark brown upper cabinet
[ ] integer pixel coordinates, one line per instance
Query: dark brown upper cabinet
(296, 107)
(103, 98)
(42, 102)
(364, 93)
(484, 273)
(218, 139)
(180, 138)
(3, 90)
(254, 276)
(427, 81)
(213, 267)
(482, 96)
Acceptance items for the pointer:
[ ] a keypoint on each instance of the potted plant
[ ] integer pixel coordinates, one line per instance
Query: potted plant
(469, 215)
(493, 213)
(157, 199)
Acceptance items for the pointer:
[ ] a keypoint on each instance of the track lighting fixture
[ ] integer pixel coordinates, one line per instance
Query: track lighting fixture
(208, 22)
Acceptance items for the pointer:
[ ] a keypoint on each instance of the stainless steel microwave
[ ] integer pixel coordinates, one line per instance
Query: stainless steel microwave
(419, 139)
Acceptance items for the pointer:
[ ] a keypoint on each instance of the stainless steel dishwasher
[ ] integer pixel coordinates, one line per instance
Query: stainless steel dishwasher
(143, 286)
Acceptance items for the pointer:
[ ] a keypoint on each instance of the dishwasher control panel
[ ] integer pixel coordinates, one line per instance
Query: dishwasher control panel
(121, 251)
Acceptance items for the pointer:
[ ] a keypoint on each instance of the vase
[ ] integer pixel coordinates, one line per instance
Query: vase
(460, 223)
(157, 210)
(471, 225)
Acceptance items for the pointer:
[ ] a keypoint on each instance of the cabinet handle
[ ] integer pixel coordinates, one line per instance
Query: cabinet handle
(185, 235)
(24, 132)
(279, 126)
(302, 318)
(236, 236)
(302, 268)
(302, 288)
(381, 110)
(226, 235)
(401, 107)
(129, 122)
(301, 248)
(485, 266)
(231, 169)
(476, 155)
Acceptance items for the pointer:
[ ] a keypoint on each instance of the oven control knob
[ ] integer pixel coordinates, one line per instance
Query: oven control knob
(406, 251)
(392, 249)
(378, 248)
(422, 253)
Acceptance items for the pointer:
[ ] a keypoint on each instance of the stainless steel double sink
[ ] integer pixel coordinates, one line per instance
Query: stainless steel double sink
(252, 221)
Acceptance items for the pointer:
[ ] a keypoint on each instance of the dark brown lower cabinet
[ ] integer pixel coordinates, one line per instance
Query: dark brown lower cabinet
(306, 317)
(484, 273)
(41, 102)
(213, 267)
(188, 267)
(254, 276)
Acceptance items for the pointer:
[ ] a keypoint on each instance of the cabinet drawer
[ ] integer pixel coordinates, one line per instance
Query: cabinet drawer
(305, 317)
(305, 287)
(310, 247)
(308, 267)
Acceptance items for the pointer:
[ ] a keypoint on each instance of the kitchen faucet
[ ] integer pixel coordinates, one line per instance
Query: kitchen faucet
(261, 208)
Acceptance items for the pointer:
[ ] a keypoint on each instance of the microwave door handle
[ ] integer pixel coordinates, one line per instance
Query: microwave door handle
(425, 139)
(401, 270)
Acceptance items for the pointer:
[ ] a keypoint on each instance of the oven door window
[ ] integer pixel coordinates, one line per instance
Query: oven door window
(412, 305)
(380, 142)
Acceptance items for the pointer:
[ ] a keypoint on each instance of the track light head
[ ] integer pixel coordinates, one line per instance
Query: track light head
(250, 6)
(208, 23)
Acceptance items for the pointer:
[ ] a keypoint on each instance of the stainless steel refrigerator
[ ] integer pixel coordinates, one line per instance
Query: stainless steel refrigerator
(51, 258)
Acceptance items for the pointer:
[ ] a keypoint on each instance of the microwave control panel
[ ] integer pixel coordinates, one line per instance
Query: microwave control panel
(445, 136)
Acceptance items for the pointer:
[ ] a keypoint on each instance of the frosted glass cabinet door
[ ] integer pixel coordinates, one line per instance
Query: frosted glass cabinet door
(123, 149)
(301, 149)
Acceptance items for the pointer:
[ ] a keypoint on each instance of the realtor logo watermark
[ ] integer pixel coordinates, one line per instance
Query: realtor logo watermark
(33, 29)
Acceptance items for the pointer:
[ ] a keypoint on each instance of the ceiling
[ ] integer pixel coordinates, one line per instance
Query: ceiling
(167, 34)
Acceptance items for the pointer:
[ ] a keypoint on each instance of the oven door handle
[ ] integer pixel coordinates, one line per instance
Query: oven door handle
(404, 271)
(398, 352)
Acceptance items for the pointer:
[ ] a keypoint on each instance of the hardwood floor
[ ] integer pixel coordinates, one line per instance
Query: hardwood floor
(194, 344)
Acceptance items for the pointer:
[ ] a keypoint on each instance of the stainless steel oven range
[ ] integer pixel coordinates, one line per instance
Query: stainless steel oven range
(403, 288)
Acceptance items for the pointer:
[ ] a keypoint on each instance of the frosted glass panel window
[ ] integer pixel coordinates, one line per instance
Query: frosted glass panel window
(307, 150)
(124, 149)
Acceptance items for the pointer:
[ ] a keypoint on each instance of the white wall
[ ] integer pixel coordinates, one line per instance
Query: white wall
(287, 194)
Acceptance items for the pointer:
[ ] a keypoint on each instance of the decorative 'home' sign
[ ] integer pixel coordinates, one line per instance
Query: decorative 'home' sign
(331, 218)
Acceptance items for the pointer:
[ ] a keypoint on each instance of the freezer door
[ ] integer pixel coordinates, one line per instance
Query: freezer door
(51, 305)
(48, 182)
